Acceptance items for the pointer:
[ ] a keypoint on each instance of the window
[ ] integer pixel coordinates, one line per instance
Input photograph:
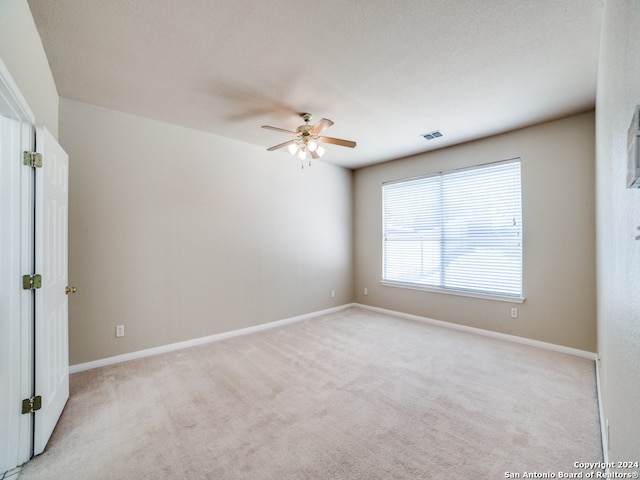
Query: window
(457, 232)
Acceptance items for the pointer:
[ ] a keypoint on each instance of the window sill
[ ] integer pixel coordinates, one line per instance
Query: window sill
(460, 293)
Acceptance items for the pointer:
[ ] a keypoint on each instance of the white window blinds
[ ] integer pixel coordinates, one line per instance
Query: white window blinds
(459, 230)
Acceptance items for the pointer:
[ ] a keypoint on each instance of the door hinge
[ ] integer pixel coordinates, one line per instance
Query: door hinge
(32, 159)
(31, 282)
(30, 405)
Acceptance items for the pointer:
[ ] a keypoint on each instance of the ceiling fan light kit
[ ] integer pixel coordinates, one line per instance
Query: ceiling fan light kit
(304, 144)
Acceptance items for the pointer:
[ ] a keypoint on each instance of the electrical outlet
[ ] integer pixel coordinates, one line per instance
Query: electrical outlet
(333, 294)
(514, 312)
(366, 291)
(120, 331)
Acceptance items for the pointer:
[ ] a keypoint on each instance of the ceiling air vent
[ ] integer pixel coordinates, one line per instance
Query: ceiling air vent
(432, 135)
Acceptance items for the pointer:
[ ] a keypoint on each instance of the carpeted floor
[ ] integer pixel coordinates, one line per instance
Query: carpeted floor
(350, 395)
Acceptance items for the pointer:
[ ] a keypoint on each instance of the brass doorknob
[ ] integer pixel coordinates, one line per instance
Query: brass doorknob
(69, 290)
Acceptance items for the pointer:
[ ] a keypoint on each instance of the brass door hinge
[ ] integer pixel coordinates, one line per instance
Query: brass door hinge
(32, 159)
(31, 282)
(31, 405)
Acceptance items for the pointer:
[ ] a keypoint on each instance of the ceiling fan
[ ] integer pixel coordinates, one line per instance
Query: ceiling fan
(306, 137)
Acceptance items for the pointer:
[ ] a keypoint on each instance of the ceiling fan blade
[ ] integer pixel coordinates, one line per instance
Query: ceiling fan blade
(321, 126)
(276, 129)
(281, 145)
(338, 141)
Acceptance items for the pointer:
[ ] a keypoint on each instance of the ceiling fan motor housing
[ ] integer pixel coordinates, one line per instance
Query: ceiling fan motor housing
(304, 130)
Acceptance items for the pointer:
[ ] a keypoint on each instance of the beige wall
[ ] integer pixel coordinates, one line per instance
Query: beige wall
(178, 234)
(618, 215)
(22, 52)
(558, 230)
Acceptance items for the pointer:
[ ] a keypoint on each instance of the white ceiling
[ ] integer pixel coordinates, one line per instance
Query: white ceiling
(385, 71)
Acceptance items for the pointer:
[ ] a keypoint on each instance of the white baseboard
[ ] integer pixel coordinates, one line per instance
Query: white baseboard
(264, 326)
(604, 433)
(487, 333)
(81, 367)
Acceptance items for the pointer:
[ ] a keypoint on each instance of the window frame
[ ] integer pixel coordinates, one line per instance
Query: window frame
(449, 290)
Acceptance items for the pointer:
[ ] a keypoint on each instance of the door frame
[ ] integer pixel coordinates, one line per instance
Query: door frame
(17, 257)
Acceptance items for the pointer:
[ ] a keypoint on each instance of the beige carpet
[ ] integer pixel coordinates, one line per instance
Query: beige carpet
(351, 395)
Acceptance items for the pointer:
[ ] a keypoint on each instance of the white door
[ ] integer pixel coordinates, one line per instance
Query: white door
(51, 311)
